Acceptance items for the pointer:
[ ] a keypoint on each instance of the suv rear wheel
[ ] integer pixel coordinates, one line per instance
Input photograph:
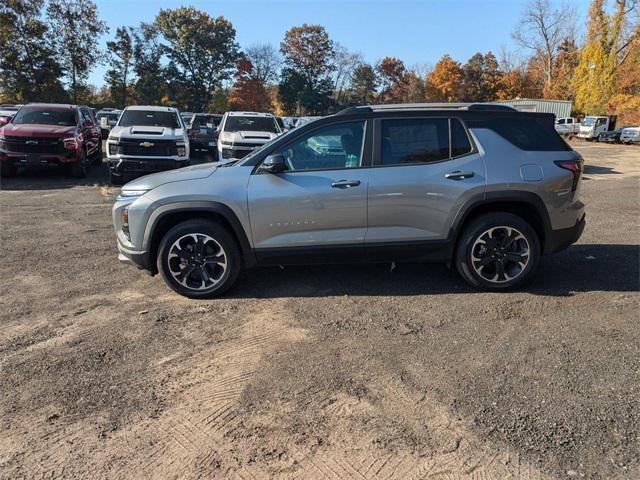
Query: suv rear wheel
(497, 251)
(199, 259)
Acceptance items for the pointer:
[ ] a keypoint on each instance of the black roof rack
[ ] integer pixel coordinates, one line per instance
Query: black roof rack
(484, 107)
(350, 110)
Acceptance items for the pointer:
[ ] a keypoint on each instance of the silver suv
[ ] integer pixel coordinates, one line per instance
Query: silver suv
(482, 187)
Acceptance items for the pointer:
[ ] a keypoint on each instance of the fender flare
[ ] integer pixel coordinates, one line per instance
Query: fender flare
(248, 254)
(500, 196)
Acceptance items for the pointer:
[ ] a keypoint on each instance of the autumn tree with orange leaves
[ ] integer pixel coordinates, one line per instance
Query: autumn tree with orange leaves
(249, 93)
(445, 81)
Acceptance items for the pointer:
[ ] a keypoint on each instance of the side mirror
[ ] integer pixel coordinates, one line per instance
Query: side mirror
(274, 164)
(4, 120)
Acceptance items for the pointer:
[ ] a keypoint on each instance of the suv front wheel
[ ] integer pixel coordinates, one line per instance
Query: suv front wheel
(497, 251)
(199, 259)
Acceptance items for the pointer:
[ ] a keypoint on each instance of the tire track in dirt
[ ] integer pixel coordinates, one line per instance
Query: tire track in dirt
(190, 438)
(452, 452)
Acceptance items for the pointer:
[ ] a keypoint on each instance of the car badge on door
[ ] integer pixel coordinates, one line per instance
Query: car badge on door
(147, 144)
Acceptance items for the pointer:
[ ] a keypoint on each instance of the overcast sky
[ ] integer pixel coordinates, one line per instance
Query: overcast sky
(418, 32)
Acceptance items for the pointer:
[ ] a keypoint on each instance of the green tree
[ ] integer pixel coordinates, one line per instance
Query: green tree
(75, 29)
(202, 51)
(362, 85)
(150, 86)
(291, 84)
(121, 61)
(29, 69)
(481, 78)
(309, 60)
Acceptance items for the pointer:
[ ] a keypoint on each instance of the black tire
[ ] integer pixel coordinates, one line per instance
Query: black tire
(79, 168)
(470, 237)
(116, 180)
(97, 155)
(8, 170)
(201, 228)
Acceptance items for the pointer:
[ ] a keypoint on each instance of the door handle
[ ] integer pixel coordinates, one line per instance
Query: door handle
(458, 175)
(345, 183)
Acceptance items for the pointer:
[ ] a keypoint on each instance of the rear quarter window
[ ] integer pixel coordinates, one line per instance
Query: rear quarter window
(527, 133)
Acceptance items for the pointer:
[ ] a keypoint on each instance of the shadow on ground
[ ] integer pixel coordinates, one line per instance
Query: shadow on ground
(598, 170)
(581, 268)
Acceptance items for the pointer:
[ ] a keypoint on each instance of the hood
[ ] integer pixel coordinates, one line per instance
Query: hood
(37, 130)
(154, 180)
(248, 136)
(147, 132)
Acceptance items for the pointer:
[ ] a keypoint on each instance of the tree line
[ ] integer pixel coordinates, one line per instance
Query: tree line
(188, 59)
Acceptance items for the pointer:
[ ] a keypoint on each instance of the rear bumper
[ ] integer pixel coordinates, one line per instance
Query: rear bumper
(558, 240)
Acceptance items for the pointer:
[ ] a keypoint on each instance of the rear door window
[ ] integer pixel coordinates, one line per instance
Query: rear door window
(460, 143)
(409, 141)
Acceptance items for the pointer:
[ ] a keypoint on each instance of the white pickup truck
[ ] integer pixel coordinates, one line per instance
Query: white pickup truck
(146, 140)
(593, 126)
(567, 126)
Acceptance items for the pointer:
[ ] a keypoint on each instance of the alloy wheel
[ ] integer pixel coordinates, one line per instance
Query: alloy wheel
(500, 254)
(197, 261)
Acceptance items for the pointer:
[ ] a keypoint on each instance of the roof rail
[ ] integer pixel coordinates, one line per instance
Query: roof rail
(491, 107)
(350, 110)
(428, 106)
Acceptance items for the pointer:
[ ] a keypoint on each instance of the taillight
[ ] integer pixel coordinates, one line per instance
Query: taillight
(575, 167)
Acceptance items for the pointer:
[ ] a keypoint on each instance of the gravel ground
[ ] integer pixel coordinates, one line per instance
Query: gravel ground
(316, 372)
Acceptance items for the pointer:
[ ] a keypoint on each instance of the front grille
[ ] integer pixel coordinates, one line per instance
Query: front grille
(157, 148)
(240, 153)
(148, 166)
(42, 145)
(249, 144)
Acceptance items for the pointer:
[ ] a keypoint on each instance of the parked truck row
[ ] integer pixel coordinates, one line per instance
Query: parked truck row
(148, 139)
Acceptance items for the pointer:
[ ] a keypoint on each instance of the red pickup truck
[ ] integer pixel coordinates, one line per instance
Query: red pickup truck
(41, 134)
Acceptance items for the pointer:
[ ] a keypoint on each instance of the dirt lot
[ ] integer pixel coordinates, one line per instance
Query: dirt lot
(316, 372)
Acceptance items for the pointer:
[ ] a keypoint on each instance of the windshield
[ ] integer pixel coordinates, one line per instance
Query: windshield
(209, 121)
(587, 122)
(149, 118)
(110, 116)
(251, 124)
(45, 116)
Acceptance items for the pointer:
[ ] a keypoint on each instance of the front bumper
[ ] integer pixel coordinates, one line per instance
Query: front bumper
(38, 159)
(139, 260)
(629, 139)
(235, 151)
(558, 240)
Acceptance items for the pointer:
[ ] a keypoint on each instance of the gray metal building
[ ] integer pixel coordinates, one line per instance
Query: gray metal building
(562, 108)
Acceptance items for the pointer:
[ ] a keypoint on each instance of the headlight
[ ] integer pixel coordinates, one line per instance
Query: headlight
(115, 149)
(181, 148)
(124, 222)
(133, 193)
(70, 143)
